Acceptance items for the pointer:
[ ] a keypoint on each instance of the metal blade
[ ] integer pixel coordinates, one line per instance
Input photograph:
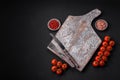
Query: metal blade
(59, 43)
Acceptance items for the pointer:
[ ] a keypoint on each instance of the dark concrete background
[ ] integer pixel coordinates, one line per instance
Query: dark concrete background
(25, 37)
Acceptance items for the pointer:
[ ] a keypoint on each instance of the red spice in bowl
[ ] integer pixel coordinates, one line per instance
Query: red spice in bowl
(101, 24)
(54, 24)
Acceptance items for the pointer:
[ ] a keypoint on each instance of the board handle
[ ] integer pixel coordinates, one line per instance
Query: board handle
(92, 15)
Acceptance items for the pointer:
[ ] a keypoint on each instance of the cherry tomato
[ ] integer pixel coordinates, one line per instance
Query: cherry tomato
(104, 43)
(100, 53)
(54, 61)
(109, 48)
(102, 48)
(64, 66)
(59, 64)
(112, 43)
(102, 63)
(97, 58)
(106, 53)
(107, 38)
(54, 68)
(104, 58)
(59, 71)
(95, 63)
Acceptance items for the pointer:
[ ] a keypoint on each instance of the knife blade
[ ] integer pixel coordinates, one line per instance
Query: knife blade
(64, 50)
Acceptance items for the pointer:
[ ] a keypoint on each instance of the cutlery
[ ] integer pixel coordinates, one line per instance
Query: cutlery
(64, 50)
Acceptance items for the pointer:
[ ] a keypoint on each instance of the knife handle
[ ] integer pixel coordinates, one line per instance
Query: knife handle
(71, 58)
(66, 58)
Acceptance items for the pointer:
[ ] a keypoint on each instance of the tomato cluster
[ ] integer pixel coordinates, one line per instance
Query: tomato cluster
(58, 67)
(104, 52)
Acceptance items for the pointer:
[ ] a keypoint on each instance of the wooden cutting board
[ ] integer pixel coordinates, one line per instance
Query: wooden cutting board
(78, 37)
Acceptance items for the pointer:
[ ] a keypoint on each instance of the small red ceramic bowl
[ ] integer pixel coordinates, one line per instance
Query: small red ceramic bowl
(101, 24)
(54, 24)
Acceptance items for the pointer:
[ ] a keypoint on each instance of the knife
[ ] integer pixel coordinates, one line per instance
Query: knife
(64, 50)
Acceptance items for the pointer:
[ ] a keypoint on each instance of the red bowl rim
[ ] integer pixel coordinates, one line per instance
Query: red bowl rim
(57, 21)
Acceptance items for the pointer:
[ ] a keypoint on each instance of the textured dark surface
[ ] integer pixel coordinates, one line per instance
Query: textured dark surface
(25, 37)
